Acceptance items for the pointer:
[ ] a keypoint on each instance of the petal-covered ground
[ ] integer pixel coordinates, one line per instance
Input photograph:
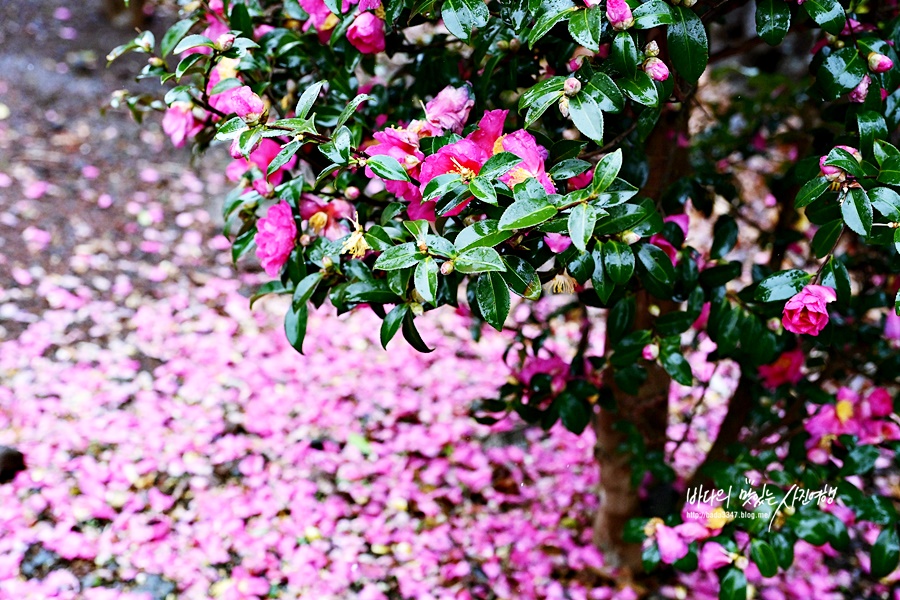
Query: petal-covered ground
(179, 448)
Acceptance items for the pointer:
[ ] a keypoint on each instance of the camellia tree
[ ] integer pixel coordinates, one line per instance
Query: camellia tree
(596, 164)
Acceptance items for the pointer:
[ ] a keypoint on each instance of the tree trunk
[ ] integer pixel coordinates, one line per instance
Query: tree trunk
(648, 409)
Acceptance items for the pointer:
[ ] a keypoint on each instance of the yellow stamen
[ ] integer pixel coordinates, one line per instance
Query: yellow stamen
(318, 222)
(356, 244)
(498, 145)
(652, 524)
(562, 283)
(844, 410)
(718, 519)
(464, 172)
(330, 22)
(517, 176)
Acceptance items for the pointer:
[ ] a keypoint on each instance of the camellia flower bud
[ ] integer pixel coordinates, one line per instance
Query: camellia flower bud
(564, 107)
(689, 3)
(630, 237)
(572, 86)
(656, 69)
(247, 105)
(651, 49)
(224, 42)
(650, 352)
(155, 61)
(515, 44)
(619, 15)
(860, 92)
(879, 63)
(447, 267)
(352, 192)
(836, 174)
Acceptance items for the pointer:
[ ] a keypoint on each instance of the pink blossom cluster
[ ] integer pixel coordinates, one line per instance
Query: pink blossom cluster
(865, 415)
(449, 111)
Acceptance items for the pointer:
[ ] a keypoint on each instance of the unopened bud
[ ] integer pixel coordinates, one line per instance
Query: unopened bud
(327, 263)
(351, 193)
(224, 42)
(155, 61)
(502, 45)
(564, 107)
(571, 87)
(514, 45)
(879, 63)
(447, 268)
(651, 49)
(305, 240)
(630, 237)
(619, 14)
(416, 309)
(650, 352)
(688, 3)
(740, 562)
(653, 310)
(422, 246)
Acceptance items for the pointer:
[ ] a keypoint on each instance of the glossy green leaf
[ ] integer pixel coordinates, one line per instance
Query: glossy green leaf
(885, 552)
(426, 279)
(387, 167)
(493, 299)
(573, 412)
(392, 322)
(173, 35)
(840, 72)
(586, 116)
(398, 257)
(481, 233)
(521, 277)
(618, 260)
(461, 16)
(811, 191)
(526, 213)
(582, 218)
(890, 171)
(499, 164)
(857, 211)
(305, 289)
(479, 260)
(295, 326)
(652, 14)
(307, 98)
(781, 286)
(763, 556)
(585, 26)
(829, 14)
(773, 20)
(641, 88)
(688, 45)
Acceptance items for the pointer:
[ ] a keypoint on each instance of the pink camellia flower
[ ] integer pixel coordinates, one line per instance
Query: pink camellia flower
(462, 157)
(892, 326)
(319, 15)
(713, 556)
(247, 105)
(619, 15)
(367, 33)
(656, 69)
(833, 173)
(788, 368)
(683, 221)
(490, 129)
(260, 159)
(557, 242)
(807, 311)
(180, 124)
(325, 217)
(404, 146)
(450, 108)
(522, 144)
(860, 92)
(580, 182)
(275, 237)
(673, 542)
(879, 63)
(555, 367)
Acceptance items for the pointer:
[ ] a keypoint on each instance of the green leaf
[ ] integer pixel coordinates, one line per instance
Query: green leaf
(552, 13)
(773, 19)
(784, 550)
(600, 279)
(586, 116)
(481, 233)
(657, 263)
(392, 322)
(440, 246)
(688, 45)
(173, 35)
(585, 26)
(781, 286)
(733, 585)
(675, 364)
(243, 244)
(829, 14)
(582, 219)
(838, 157)
(418, 229)
(607, 94)
(764, 557)
(640, 88)
(479, 260)
(186, 63)
(521, 277)
(350, 109)
(398, 257)
(270, 287)
(461, 16)
(573, 413)
(886, 552)
(484, 190)
(725, 236)
(811, 191)
(240, 19)
(569, 168)
(387, 167)
(835, 276)
(871, 127)
(652, 14)
(857, 211)
(620, 319)
(440, 185)
(890, 171)
(624, 54)
(305, 289)
(499, 164)
(618, 260)
(411, 334)
(426, 279)
(295, 327)
(840, 72)
(284, 155)
(526, 213)
(307, 99)
(493, 299)
(551, 85)
(606, 171)
(193, 41)
(826, 236)
(883, 150)
(540, 106)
